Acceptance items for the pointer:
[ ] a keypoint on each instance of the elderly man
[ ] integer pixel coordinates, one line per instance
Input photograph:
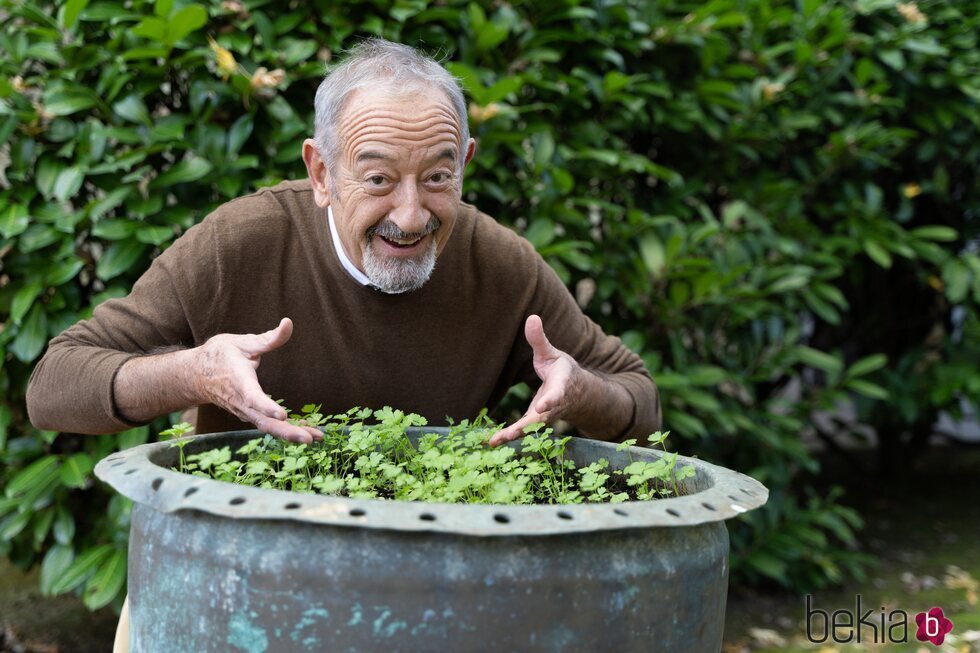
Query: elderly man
(396, 293)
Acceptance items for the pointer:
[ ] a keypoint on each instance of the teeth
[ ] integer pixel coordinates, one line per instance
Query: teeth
(404, 242)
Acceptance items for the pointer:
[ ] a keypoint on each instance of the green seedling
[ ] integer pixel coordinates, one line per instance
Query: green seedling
(368, 454)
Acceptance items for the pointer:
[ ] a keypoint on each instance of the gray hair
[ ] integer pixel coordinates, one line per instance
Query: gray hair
(376, 61)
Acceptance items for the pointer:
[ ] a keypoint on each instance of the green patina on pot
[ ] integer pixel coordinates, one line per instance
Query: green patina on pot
(216, 566)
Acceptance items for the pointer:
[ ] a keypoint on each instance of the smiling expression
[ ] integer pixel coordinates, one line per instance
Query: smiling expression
(396, 185)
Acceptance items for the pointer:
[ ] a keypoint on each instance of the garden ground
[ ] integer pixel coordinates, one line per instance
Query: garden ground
(924, 530)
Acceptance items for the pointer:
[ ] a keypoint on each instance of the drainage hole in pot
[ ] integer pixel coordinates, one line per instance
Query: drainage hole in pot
(564, 515)
(746, 491)
(291, 506)
(427, 517)
(190, 491)
(621, 513)
(357, 512)
(708, 506)
(733, 497)
(673, 512)
(237, 501)
(132, 471)
(501, 519)
(157, 482)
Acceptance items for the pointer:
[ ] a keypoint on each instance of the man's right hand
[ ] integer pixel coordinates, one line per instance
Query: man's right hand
(219, 372)
(226, 378)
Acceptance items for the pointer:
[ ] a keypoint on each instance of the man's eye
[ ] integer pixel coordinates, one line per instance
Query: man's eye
(376, 180)
(439, 177)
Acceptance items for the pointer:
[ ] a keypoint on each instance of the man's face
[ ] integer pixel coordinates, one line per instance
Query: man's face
(396, 185)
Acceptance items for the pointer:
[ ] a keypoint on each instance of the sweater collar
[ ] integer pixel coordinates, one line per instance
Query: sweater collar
(338, 247)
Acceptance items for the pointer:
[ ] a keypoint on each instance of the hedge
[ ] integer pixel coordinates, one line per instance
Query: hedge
(775, 204)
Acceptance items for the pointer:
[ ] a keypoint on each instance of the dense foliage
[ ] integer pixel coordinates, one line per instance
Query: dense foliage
(368, 454)
(775, 204)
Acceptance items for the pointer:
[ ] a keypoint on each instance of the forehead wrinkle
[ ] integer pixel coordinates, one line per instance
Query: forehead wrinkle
(412, 126)
(387, 111)
(420, 153)
(368, 120)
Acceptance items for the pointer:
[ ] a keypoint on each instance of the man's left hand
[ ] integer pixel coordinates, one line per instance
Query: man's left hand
(562, 381)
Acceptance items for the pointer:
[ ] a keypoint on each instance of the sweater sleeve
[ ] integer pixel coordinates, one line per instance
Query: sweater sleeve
(172, 304)
(571, 331)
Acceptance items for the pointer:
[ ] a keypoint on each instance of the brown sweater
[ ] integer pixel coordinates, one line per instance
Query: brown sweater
(448, 349)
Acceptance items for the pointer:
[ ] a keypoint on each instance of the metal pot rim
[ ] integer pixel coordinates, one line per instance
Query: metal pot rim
(134, 474)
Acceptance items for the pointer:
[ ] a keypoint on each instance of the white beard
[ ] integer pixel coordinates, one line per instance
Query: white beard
(394, 275)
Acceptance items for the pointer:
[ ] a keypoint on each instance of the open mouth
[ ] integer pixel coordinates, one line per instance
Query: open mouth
(400, 243)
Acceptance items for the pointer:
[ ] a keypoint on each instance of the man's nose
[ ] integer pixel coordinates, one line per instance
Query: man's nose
(408, 213)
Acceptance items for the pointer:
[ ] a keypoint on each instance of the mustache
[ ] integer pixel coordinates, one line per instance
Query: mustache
(388, 229)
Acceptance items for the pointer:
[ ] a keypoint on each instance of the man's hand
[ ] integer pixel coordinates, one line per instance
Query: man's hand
(226, 378)
(562, 386)
(219, 372)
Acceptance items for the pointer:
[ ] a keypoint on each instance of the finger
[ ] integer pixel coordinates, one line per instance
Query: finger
(283, 430)
(515, 430)
(540, 345)
(254, 398)
(260, 343)
(315, 432)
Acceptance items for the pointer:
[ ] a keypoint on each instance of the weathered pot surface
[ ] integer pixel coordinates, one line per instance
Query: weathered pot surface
(222, 567)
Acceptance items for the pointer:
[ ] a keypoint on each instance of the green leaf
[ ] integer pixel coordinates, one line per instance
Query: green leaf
(56, 562)
(112, 199)
(107, 581)
(185, 21)
(37, 473)
(238, 133)
(82, 568)
(24, 299)
(76, 469)
(65, 104)
(155, 235)
(162, 8)
(818, 359)
(64, 526)
(68, 182)
(72, 9)
(31, 337)
(63, 272)
(541, 232)
(13, 220)
(867, 365)
(791, 281)
(133, 437)
(38, 236)
(14, 524)
(119, 258)
(878, 253)
(152, 28)
(653, 254)
(5, 417)
(936, 232)
(115, 229)
(187, 170)
(41, 526)
(767, 565)
(133, 109)
(868, 389)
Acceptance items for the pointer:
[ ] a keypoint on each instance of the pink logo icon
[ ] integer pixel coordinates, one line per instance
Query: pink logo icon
(933, 626)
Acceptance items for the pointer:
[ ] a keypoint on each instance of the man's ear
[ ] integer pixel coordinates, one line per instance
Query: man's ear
(319, 174)
(470, 151)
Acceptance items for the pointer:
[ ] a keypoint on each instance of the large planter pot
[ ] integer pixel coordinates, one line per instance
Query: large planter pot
(221, 567)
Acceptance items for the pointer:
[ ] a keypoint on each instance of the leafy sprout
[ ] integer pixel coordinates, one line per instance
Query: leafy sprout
(368, 454)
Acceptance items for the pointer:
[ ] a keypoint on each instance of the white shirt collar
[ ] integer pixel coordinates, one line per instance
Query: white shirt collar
(338, 246)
